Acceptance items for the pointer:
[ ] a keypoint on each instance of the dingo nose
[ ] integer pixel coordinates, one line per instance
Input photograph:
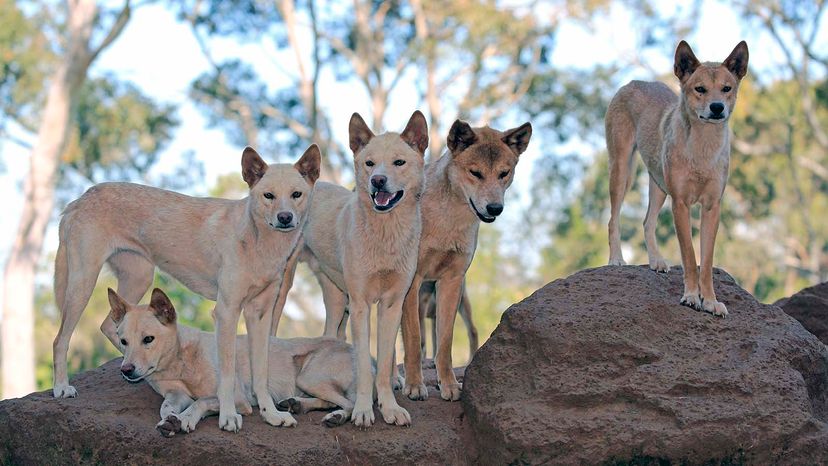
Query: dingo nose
(284, 217)
(128, 369)
(717, 108)
(494, 209)
(378, 181)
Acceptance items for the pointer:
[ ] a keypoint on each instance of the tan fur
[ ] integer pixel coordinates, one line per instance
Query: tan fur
(428, 309)
(181, 364)
(463, 187)
(234, 252)
(362, 256)
(687, 154)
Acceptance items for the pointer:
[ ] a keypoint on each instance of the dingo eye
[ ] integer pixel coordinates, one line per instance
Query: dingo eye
(148, 339)
(726, 89)
(369, 163)
(399, 163)
(296, 195)
(700, 89)
(123, 342)
(268, 195)
(503, 174)
(476, 174)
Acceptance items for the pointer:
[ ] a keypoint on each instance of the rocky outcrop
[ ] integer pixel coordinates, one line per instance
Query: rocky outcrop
(603, 367)
(606, 367)
(113, 422)
(810, 308)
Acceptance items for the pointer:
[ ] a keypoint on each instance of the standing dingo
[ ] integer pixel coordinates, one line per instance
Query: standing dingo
(685, 144)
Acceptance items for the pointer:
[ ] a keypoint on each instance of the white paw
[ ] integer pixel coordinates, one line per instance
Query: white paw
(230, 422)
(363, 416)
(336, 418)
(189, 422)
(278, 418)
(616, 261)
(64, 391)
(714, 307)
(416, 391)
(692, 300)
(395, 414)
(451, 391)
(397, 381)
(659, 265)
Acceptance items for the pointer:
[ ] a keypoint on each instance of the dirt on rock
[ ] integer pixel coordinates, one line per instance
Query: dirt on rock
(810, 308)
(605, 367)
(113, 422)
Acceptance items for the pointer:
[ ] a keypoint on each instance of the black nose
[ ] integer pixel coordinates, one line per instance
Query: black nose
(127, 369)
(284, 217)
(494, 209)
(378, 181)
(717, 108)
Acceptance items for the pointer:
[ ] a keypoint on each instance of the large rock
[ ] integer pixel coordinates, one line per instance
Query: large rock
(810, 308)
(606, 367)
(113, 422)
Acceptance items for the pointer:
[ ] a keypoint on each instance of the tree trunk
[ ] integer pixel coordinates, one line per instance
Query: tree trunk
(17, 326)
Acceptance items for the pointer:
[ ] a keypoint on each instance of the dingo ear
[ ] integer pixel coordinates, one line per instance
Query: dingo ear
(162, 307)
(308, 164)
(460, 136)
(253, 167)
(415, 133)
(358, 133)
(518, 138)
(118, 307)
(737, 61)
(686, 62)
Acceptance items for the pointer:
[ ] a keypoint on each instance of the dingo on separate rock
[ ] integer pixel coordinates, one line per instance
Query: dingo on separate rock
(685, 144)
(362, 246)
(231, 251)
(463, 187)
(180, 363)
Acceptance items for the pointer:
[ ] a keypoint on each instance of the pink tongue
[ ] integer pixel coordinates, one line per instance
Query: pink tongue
(382, 198)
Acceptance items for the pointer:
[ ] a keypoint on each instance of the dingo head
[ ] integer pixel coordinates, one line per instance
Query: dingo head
(280, 193)
(709, 89)
(483, 164)
(147, 333)
(389, 168)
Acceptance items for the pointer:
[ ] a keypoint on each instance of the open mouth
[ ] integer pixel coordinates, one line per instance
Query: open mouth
(384, 201)
(482, 217)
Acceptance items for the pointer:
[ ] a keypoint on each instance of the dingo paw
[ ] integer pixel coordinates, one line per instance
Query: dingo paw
(416, 391)
(691, 300)
(714, 307)
(278, 418)
(290, 405)
(169, 426)
(335, 418)
(658, 264)
(230, 422)
(363, 416)
(451, 391)
(64, 391)
(395, 414)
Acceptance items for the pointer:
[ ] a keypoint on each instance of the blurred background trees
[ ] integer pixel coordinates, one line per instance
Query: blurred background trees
(489, 62)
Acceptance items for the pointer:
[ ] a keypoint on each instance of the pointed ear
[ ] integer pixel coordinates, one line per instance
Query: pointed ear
(118, 307)
(308, 164)
(737, 61)
(162, 307)
(253, 167)
(686, 62)
(415, 133)
(358, 133)
(460, 136)
(518, 138)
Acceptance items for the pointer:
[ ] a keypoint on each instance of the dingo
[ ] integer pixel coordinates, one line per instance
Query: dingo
(233, 252)
(362, 247)
(180, 363)
(685, 144)
(463, 187)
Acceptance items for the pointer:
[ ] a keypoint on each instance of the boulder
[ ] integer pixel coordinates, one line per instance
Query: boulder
(810, 308)
(606, 367)
(113, 422)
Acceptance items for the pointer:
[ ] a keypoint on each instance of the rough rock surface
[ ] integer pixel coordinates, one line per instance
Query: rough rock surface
(810, 308)
(113, 422)
(606, 367)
